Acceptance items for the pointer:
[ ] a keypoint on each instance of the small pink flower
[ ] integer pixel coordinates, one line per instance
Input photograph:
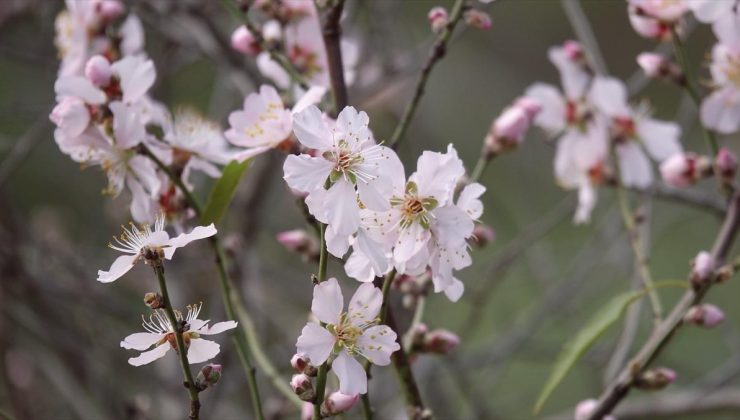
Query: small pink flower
(703, 267)
(307, 411)
(508, 130)
(530, 106)
(438, 18)
(652, 64)
(573, 50)
(680, 170)
(478, 19)
(586, 407)
(244, 41)
(98, 70)
(706, 315)
(441, 341)
(338, 403)
(726, 164)
(110, 10)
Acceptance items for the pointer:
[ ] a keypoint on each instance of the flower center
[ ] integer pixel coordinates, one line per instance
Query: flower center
(623, 129)
(414, 208)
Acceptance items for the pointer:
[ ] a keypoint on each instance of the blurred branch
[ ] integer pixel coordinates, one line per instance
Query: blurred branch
(664, 331)
(683, 403)
(331, 32)
(23, 147)
(692, 198)
(584, 33)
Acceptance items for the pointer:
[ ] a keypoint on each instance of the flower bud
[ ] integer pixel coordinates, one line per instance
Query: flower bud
(440, 341)
(508, 129)
(702, 268)
(655, 379)
(307, 411)
(154, 300)
(482, 235)
(71, 116)
(272, 31)
(438, 18)
(302, 386)
(648, 26)
(209, 375)
(302, 364)
(300, 242)
(573, 51)
(706, 315)
(586, 407)
(98, 70)
(110, 10)
(244, 41)
(726, 164)
(530, 106)
(684, 169)
(477, 19)
(338, 403)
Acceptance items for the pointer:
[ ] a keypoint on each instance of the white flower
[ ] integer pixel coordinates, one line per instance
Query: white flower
(724, 17)
(357, 169)
(720, 111)
(136, 242)
(159, 337)
(347, 334)
(198, 144)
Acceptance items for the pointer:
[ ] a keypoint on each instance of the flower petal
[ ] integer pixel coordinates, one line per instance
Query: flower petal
(201, 350)
(217, 328)
(305, 173)
(199, 232)
(327, 301)
(150, 356)
(316, 342)
(455, 290)
(141, 341)
(377, 344)
(352, 377)
(365, 304)
(343, 212)
(120, 266)
(311, 130)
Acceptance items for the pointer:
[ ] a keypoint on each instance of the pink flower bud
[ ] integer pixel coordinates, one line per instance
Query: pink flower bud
(508, 129)
(702, 268)
(586, 407)
(98, 70)
(438, 18)
(655, 379)
(244, 41)
(726, 164)
(272, 31)
(652, 64)
(440, 341)
(307, 411)
(299, 361)
(482, 235)
(477, 19)
(110, 10)
(573, 50)
(679, 170)
(300, 242)
(71, 116)
(302, 386)
(706, 315)
(530, 106)
(208, 376)
(338, 403)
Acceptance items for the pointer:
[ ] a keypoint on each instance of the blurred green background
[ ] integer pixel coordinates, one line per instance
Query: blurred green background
(528, 292)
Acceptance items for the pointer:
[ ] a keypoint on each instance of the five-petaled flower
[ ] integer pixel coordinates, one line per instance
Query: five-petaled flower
(160, 334)
(139, 243)
(343, 335)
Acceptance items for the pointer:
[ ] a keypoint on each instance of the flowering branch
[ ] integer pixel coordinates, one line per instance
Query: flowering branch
(665, 330)
(436, 53)
(182, 351)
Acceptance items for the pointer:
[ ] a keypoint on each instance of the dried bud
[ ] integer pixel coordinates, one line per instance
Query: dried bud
(209, 375)
(477, 19)
(154, 300)
(302, 386)
(482, 235)
(440, 341)
(726, 164)
(702, 268)
(684, 169)
(272, 31)
(244, 41)
(438, 18)
(586, 407)
(300, 242)
(655, 379)
(338, 403)
(706, 315)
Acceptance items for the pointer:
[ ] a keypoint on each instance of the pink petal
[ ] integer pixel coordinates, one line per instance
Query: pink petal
(327, 301)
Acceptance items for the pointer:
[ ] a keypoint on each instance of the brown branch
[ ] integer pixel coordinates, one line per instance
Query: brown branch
(331, 32)
(664, 331)
(683, 403)
(402, 365)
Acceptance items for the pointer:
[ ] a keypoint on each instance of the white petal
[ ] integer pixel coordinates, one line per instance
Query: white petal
(359, 268)
(552, 115)
(352, 377)
(199, 232)
(660, 138)
(216, 328)
(727, 29)
(610, 96)
(586, 203)
(375, 253)
(316, 342)
(120, 266)
(720, 111)
(342, 211)
(453, 225)
(150, 356)
(372, 194)
(469, 201)
(306, 173)
(201, 350)
(137, 75)
(141, 341)
(327, 301)
(377, 344)
(273, 70)
(337, 244)
(455, 290)
(365, 304)
(80, 87)
(410, 241)
(311, 97)
(311, 130)
(634, 166)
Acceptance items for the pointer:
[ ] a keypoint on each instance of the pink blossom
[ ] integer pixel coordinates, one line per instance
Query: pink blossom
(110, 10)
(438, 18)
(71, 116)
(441, 341)
(477, 19)
(702, 267)
(679, 170)
(720, 111)
(98, 70)
(726, 164)
(244, 41)
(338, 402)
(706, 315)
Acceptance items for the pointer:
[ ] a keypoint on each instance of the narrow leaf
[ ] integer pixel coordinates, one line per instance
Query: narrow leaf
(223, 192)
(578, 345)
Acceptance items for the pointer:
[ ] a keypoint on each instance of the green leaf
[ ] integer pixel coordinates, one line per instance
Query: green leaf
(578, 345)
(223, 192)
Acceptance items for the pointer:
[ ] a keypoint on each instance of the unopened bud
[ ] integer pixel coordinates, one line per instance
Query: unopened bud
(706, 315)
(300, 362)
(338, 403)
(300, 242)
(573, 51)
(586, 407)
(244, 41)
(302, 386)
(272, 31)
(482, 235)
(702, 268)
(440, 341)
(208, 376)
(477, 19)
(657, 66)
(726, 164)
(655, 379)
(684, 169)
(98, 70)
(110, 10)
(438, 18)
(307, 411)
(154, 300)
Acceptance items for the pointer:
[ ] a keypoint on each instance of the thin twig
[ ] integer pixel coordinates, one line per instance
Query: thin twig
(584, 33)
(331, 32)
